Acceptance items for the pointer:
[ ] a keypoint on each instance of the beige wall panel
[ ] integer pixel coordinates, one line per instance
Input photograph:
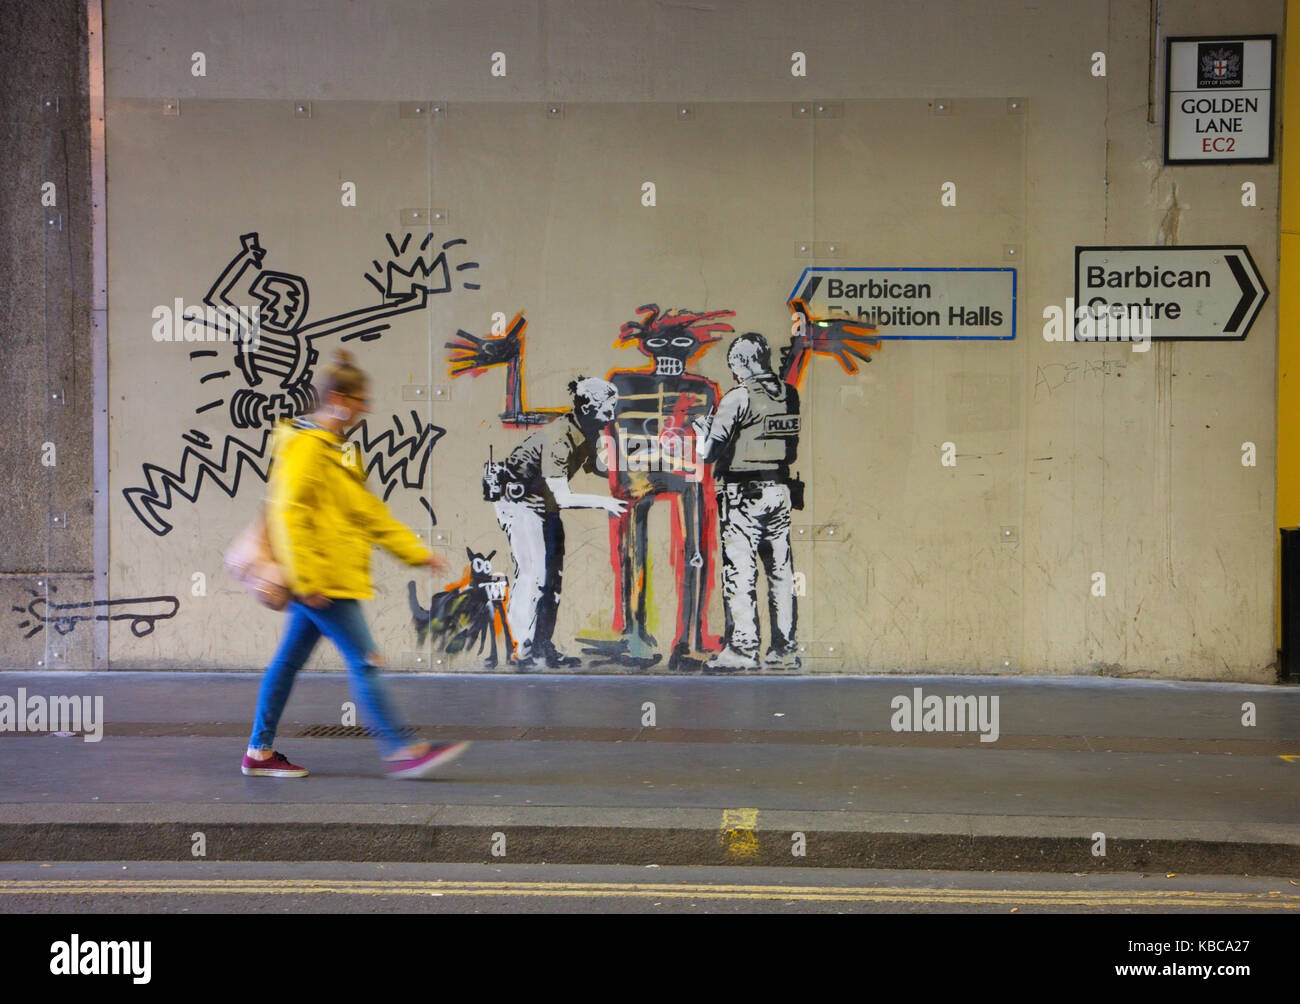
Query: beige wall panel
(1099, 458)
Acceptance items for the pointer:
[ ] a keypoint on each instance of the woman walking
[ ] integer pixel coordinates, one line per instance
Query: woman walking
(322, 523)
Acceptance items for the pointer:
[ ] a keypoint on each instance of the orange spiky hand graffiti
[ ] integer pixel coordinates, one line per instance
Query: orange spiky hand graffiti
(842, 338)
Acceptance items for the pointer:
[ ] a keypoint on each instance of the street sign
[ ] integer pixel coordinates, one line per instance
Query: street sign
(917, 303)
(1201, 292)
(1219, 99)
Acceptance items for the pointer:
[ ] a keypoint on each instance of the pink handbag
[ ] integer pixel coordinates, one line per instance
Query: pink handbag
(250, 562)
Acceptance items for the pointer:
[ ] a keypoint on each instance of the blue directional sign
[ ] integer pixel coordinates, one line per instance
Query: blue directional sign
(977, 304)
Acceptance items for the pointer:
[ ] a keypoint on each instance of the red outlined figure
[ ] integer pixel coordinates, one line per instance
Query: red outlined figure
(652, 454)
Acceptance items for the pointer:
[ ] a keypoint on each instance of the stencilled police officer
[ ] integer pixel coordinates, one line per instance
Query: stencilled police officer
(752, 439)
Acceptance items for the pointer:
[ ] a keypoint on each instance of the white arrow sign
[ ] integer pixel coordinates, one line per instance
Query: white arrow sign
(1178, 293)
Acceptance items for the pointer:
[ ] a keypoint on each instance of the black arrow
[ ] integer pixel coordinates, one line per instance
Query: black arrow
(1248, 293)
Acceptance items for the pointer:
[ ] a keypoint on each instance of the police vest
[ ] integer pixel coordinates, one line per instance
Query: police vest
(768, 441)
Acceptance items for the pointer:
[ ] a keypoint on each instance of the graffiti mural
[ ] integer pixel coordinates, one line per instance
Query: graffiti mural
(142, 611)
(262, 315)
(653, 449)
(471, 610)
(752, 439)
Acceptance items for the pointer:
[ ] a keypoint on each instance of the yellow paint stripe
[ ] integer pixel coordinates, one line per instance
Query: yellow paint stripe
(738, 832)
(1290, 757)
(353, 887)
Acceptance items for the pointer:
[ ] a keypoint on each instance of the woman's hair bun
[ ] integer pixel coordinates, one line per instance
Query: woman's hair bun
(342, 357)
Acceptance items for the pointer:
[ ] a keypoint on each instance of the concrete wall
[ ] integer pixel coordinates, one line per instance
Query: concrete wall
(1072, 458)
(45, 376)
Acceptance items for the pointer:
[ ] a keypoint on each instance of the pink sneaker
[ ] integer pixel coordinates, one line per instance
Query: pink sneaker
(277, 766)
(423, 766)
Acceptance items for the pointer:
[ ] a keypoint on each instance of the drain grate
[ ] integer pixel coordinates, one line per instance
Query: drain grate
(346, 732)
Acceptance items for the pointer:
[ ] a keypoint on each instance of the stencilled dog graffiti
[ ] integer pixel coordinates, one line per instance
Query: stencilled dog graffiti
(262, 314)
(469, 611)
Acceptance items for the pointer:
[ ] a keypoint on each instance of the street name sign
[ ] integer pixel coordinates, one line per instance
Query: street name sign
(1219, 99)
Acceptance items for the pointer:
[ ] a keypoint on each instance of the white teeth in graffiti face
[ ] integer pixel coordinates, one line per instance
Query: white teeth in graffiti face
(665, 366)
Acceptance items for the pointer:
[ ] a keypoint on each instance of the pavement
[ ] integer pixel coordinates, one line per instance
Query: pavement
(1085, 775)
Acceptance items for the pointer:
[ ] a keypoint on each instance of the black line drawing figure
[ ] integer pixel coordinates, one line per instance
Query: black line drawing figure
(527, 491)
(404, 461)
(198, 463)
(470, 610)
(142, 611)
(274, 359)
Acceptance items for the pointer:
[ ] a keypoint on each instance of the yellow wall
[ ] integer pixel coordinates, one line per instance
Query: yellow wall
(1288, 333)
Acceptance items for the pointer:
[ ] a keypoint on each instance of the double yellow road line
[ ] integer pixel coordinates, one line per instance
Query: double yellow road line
(1099, 898)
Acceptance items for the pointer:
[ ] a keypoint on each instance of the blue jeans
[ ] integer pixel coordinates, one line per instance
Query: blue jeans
(341, 622)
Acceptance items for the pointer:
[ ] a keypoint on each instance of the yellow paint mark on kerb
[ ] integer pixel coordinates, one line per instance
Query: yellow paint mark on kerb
(738, 832)
(1290, 757)
(558, 890)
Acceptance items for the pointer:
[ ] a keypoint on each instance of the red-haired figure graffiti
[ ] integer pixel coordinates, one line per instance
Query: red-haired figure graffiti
(649, 453)
(653, 456)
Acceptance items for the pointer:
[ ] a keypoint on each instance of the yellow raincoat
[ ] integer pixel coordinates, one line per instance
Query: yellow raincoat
(322, 519)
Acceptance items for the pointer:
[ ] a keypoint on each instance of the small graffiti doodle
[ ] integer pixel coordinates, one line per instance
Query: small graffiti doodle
(400, 458)
(272, 350)
(142, 611)
(471, 610)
